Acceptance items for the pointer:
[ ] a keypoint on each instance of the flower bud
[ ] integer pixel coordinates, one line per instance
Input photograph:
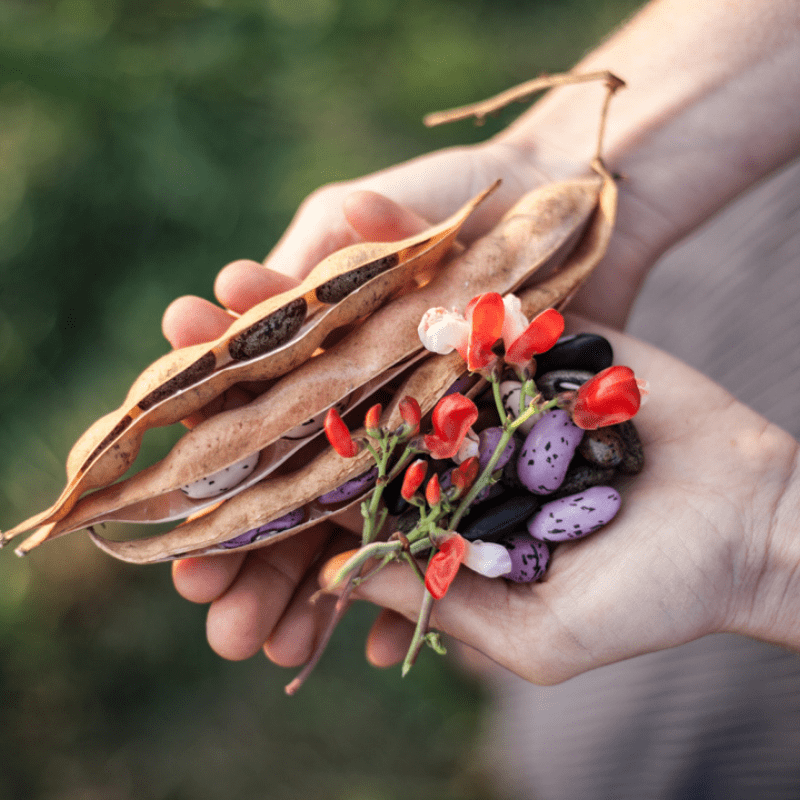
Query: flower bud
(372, 420)
(338, 435)
(464, 475)
(413, 478)
(411, 414)
(433, 492)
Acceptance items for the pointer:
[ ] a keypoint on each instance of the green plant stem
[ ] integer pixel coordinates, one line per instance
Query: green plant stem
(509, 428)
(362, 555)
(373, 520)
(498, 401)
(420, 631)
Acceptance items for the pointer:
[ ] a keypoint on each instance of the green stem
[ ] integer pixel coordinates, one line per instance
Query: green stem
(420, 631)
(509, 427)
(498, 401)
(362, 555)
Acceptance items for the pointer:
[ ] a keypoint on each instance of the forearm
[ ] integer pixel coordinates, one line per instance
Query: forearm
(710, 108)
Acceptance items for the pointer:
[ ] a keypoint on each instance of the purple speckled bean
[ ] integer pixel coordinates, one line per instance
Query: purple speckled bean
(529, 557)
(280, 524)
(547, 451)
(350, 489)
(488, 440)
(576, 515)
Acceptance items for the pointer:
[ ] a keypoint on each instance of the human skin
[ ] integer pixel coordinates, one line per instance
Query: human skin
(705, 541)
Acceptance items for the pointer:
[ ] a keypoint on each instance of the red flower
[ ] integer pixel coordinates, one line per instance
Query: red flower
(339, 435)
(489, 316)
(452, 417)
(443, 567)
(413, 478)
(609, 397)
(525, 340)
(473, 335)
(411, 414)
(485, 314)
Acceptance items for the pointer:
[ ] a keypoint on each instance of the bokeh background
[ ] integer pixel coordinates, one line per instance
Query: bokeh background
(144, 144)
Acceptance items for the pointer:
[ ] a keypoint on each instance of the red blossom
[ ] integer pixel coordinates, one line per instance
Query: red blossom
(339, 435)
(443, 567)
(610, 397)
(539, 336)
(485, 314)
(452, 417)
(411, 413)
(413, 478)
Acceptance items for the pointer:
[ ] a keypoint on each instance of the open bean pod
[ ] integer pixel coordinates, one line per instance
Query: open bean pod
(268, 341)
(577, 245)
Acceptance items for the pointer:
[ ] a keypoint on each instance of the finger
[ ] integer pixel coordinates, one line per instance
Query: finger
(243, 284)
(242, 619)
(335, 220)
(378, 219)
(192, 320)
(317, 230)
(202, 580)
(302, 624)
(477, 611)
(389, 639)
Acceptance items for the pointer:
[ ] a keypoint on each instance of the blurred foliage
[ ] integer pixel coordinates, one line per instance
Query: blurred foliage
(144, 144)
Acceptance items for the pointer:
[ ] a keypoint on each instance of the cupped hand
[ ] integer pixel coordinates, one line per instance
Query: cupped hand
(687, 555)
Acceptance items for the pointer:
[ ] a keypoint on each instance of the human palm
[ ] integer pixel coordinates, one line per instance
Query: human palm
(682, 558)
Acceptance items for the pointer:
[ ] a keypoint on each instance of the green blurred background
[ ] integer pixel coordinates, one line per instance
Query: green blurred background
(144, 144)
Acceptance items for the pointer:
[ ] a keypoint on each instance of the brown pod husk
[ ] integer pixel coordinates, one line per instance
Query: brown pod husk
(271, 339)
(272, 498)
(537, 231)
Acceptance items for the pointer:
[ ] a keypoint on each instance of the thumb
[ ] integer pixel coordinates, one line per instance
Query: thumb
(478, 611)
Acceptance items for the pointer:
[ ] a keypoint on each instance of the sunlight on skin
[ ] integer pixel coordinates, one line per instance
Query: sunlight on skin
(389, 639)
(243, 284)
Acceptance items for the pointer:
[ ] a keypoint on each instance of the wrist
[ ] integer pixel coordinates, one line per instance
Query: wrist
(708, 110)
(766, 601)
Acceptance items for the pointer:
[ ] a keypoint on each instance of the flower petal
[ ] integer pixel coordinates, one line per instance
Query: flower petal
(442, 331)
(488, 558)
(443, 567)
(610, 397)
(539, 336)
(485, 314)
(452, 417)
(514, 322)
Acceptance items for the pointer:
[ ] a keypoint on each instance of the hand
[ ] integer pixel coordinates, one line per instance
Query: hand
(261, 598)
(684, 558)
(703, 543)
